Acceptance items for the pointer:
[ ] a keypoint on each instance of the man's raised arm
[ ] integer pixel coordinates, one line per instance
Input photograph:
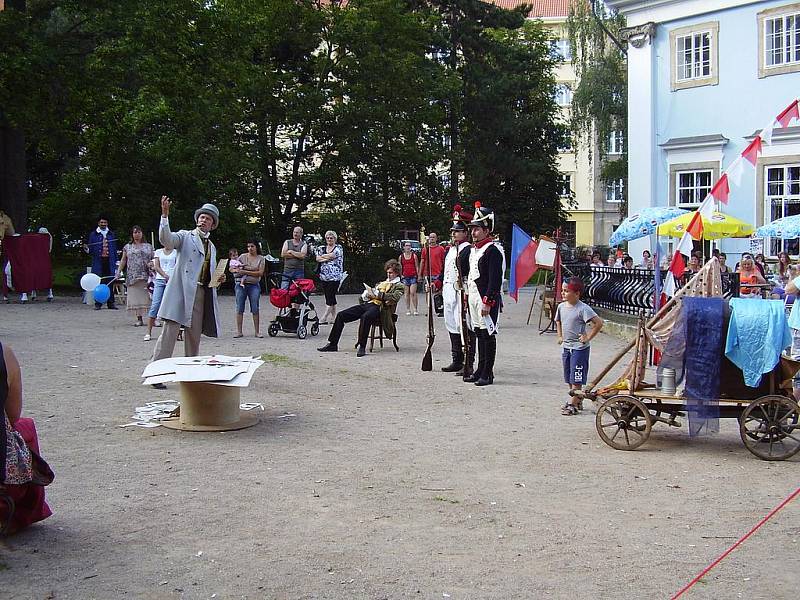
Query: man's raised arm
(168, 239)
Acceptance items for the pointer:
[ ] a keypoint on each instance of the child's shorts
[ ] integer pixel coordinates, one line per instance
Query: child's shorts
(576, 365)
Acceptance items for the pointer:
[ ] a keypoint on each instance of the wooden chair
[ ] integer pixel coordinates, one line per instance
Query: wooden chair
(376, 333)
(377, 325)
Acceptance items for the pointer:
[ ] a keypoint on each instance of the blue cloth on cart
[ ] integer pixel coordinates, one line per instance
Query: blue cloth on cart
(704, 322)
(757, 334)
(675, 349)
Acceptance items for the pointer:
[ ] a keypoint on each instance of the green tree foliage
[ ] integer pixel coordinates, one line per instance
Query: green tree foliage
(600, 101)
(327, 114)
(511, 133)
(501, 116)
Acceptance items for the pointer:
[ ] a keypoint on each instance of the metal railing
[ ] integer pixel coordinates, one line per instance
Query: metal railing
(629, 291)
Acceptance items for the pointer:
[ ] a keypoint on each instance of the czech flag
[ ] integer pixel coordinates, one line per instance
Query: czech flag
(523, 261)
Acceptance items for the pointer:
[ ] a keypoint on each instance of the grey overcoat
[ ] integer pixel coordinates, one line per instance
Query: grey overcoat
(182, 286)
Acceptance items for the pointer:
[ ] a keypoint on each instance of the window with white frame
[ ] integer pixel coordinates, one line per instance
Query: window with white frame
(562, 49)
(563, 94)
(566, 185)
(782, 40)
(779, 40)
(615, 190)
(694, 55)
(565, 145)
(616, 142)
(691, 187)
(782, 199)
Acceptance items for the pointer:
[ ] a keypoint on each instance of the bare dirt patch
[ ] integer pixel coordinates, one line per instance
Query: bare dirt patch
(367, 478)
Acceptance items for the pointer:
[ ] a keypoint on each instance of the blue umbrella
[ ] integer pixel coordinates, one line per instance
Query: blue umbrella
(786, 228)
(644, 222)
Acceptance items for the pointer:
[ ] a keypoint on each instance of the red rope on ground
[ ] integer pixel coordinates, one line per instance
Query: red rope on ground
(739, 541)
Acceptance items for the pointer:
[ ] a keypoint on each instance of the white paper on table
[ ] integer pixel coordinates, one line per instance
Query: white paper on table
(166, 370)
(166, 378)
(242, 379)
(208, 372)
(214, 359)
(160, 367)
(490, 326)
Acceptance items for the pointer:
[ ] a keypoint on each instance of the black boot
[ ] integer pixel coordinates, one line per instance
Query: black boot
(487, 374)
(458, 354)
(469, 358)
(481, 335)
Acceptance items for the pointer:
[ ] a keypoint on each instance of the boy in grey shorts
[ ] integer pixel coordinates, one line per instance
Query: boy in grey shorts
(572, 316)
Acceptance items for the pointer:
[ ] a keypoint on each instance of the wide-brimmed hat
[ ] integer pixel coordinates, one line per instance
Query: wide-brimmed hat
(460, 218)
(484, 217)
(210, 210)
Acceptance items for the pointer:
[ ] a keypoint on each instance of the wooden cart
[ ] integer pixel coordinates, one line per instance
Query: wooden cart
(769, 424)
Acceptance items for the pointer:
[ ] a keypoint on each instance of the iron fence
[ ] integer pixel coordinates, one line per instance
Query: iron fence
(629, 291)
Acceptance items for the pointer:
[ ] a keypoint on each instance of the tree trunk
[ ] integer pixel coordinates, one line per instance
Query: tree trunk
(13, 197)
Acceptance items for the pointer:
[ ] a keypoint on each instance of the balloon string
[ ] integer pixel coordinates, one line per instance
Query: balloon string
(738, 542)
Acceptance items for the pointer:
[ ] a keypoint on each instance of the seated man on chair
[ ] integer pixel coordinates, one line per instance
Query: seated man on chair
(376, 303)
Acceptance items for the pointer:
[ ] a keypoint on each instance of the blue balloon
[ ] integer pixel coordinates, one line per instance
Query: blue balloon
(102, 293)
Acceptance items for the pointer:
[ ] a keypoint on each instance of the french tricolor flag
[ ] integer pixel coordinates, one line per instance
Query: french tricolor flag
(523, 261)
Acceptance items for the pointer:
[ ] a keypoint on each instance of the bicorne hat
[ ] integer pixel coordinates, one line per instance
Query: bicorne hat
(484, 217)
(460, 218)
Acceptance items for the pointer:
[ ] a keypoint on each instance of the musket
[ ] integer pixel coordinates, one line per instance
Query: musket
(427, 360)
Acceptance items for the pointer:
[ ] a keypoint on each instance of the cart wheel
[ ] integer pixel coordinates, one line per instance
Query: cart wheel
(623, 422)
(769, 427)
(302, 332)
(273, 329)
(315, 329)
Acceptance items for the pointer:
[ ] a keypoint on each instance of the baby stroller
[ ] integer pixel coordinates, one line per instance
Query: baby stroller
(293, 320)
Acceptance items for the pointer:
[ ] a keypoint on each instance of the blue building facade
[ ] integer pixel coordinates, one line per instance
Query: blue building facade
(704, 78)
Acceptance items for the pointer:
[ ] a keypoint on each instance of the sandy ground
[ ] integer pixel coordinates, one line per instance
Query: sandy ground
(367, 478)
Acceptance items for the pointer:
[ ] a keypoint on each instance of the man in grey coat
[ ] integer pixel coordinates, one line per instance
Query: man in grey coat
(188, 300)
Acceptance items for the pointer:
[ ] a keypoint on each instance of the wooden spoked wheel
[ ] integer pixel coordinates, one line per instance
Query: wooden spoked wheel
(623, 422)
(769, 427)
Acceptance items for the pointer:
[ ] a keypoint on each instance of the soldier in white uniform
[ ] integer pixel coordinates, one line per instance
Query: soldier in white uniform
(484, 284)
(457, 255)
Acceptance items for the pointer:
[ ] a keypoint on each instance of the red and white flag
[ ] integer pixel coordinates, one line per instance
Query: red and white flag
(676, 270)
(735, 171)
(753, 150)
(706, 207)
(721, 189)
(766, 133)
(685, 246)
(789, 113)
(695, 226)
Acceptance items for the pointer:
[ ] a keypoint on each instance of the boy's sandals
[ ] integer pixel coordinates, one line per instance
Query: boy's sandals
(569, 410)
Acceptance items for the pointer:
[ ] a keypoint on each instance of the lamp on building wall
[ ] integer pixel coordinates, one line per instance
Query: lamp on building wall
(638, 35)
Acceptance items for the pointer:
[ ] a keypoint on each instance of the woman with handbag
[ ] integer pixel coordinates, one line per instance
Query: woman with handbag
(330, 260)
(23, 473)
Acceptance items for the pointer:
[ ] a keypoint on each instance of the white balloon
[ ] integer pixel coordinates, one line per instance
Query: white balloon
(90, 281)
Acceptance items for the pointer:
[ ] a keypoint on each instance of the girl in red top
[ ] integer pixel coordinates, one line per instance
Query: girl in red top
(409, 261)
